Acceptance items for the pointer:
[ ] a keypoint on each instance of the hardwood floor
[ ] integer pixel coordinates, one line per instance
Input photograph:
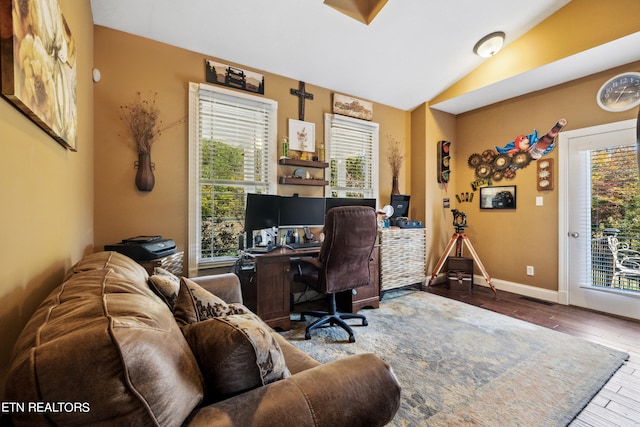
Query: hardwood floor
(618, 403)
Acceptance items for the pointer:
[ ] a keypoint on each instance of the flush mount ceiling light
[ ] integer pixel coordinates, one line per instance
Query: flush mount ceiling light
(489, 45)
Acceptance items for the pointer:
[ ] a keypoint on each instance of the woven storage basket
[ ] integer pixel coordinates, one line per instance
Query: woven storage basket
(402, 257)
(172, 263)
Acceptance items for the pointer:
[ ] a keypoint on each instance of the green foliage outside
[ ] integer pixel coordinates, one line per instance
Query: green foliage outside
(222, 206)
(355, 176)
(615, 198)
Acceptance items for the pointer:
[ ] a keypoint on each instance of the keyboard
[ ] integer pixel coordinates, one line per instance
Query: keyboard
(305, 245)
(260, 249)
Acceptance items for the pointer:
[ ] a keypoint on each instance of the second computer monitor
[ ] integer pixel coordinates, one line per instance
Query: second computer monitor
(301, 211)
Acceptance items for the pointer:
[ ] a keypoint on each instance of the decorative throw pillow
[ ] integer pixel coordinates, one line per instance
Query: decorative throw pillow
(166, 285)
(235, 353)
(195, 304)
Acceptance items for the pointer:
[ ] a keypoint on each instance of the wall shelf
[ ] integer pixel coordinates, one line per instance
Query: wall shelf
(302, 181)
(304, 163)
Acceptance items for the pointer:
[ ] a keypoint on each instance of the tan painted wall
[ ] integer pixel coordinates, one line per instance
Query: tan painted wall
(507, 241)
(428, 128)
(130, 64)
(47, 196)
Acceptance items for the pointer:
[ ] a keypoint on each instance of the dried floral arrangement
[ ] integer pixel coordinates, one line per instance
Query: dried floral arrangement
(141, 117)
(394, 155)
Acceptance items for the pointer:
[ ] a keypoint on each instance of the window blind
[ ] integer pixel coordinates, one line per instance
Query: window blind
(233, 144)
(353, 148)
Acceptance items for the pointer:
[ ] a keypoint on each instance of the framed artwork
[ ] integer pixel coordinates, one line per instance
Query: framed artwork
(38, 66)
(498, 197)
(227, 75)
(302, 136)
(352, 107)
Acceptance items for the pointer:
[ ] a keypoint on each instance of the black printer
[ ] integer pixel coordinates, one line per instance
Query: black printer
(144, 248)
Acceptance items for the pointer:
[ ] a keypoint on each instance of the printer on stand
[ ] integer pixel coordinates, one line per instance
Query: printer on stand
(144, 248)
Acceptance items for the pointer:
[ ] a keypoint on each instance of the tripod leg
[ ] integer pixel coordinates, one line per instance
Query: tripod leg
(443, 258)
(477, 259)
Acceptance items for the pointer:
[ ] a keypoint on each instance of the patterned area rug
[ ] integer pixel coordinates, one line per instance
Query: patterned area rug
(462, 365)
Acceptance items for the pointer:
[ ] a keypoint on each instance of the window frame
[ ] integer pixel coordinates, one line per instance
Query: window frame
(195, 262)
(364, 125)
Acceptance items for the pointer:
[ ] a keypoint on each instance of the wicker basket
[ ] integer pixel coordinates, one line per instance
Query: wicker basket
(172, 263)
(402, 257)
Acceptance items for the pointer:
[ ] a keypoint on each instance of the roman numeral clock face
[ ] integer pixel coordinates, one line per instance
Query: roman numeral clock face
(620, 93)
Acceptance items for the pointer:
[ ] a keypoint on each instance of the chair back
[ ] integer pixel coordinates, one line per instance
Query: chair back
(350, 234)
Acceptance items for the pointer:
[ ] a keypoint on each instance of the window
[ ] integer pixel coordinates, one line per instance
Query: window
(353, 156)
(232, 152)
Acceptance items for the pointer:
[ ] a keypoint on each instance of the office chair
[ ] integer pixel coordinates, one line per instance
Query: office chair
(343, 263)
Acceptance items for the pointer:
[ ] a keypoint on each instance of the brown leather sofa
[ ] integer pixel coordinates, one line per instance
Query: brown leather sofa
(105, 349)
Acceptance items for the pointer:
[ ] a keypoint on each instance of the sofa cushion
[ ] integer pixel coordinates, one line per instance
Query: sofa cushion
(121, 264)
(166, 285)
(236, 353)
(103, 339)
(195, 304)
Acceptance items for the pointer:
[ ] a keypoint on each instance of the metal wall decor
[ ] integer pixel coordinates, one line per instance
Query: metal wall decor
(227, 75)
(503, 162)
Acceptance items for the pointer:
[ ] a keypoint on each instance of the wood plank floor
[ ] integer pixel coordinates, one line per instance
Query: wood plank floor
(618, 403)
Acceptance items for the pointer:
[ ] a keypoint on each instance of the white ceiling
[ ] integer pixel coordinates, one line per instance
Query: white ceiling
(412, 51)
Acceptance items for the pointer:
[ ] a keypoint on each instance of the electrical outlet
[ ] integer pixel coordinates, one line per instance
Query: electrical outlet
(529, 270)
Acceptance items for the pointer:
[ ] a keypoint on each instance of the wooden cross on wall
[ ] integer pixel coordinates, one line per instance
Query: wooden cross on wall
(302, 95)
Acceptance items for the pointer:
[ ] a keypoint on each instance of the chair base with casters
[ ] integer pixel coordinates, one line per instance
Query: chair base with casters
(332, 317)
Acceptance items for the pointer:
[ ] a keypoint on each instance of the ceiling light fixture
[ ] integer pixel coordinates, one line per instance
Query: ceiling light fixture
(489, 45)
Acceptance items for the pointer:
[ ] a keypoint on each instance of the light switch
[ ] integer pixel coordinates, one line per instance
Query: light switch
(539, 201)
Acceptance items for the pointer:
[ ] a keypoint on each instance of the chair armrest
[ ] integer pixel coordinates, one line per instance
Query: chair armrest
(225, 286)
(313, 262)
(359, 390)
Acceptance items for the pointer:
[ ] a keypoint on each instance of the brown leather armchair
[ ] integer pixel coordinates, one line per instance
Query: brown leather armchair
(343, 263)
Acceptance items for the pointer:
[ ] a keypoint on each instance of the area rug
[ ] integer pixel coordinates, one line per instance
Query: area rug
(462, 365)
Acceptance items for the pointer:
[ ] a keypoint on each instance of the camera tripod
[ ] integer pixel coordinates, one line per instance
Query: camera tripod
(458, 239)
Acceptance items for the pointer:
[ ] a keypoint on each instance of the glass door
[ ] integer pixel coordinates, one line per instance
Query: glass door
(599, 213)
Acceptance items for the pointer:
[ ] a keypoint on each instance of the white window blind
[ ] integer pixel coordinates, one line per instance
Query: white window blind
(353, 156)
(232, 138)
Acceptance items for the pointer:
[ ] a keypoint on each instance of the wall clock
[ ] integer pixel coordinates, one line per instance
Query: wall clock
(620, 93)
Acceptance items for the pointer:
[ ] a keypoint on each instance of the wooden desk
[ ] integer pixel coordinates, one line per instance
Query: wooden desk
(267, 294)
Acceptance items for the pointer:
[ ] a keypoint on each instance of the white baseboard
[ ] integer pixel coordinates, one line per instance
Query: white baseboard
(525, 290)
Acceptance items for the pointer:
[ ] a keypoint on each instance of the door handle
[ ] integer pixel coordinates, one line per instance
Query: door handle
(574, 235)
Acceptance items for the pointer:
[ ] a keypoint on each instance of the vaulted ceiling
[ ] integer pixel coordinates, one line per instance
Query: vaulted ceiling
(410, 52)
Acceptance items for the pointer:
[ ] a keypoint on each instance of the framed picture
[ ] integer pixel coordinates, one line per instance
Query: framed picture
(38, 73)
(302, 136)
(227, 75)
(498, 197)
(352, 107)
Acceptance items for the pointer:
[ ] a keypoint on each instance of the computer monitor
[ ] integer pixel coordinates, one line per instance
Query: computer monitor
(400, 204)
(262, 211)
(334, 202)
(301, 211)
